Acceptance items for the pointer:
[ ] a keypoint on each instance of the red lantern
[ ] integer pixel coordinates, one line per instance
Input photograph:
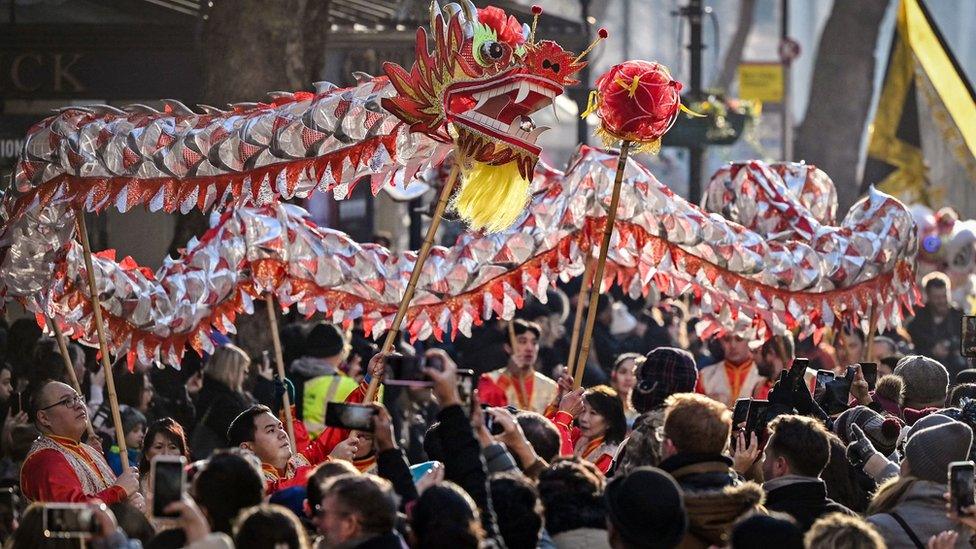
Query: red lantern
(636, 101)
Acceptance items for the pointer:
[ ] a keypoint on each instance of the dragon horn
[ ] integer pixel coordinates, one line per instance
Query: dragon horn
(470, 12)
(435, 12)
(450, 10)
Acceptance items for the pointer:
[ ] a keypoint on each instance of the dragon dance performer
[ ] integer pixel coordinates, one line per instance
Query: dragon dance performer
(518, 383)
(59, 467)
(259, 431)
(602, 425)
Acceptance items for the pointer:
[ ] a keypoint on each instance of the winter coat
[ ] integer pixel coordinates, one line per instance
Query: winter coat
(714, 495)
(217, 405)
(803, 498)
(924, 510)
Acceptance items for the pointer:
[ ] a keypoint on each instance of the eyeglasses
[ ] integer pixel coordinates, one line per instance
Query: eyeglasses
(320, 511)
(67, 402)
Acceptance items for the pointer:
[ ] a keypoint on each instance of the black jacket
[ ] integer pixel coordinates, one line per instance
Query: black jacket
(804, 501)
(465, 466)
(217, 407)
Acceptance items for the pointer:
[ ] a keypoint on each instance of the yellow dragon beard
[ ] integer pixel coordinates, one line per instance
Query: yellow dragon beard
(491, 198)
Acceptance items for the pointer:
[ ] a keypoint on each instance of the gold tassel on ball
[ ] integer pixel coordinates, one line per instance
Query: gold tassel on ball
(491, 198)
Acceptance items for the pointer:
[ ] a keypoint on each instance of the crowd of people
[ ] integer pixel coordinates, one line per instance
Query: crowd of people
(489, 441)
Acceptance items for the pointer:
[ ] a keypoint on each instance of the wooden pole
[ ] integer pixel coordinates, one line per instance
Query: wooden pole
(66, 357)
(576, 367)
(113, 399)
(872, 328)
(601, 261)
(435, 222)
(280, 363)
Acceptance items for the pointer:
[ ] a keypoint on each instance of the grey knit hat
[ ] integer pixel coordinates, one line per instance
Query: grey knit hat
(930, 451)
(926, 380)
(930, 420)
(883, 431)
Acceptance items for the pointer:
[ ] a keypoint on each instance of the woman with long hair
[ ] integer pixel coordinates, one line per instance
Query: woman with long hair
(600, 425)
(623, 378)
(221, 399)
(164, 437)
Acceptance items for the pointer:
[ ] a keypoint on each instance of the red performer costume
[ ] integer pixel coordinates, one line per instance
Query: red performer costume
(317, 451)
(59, 467)
(596, 451)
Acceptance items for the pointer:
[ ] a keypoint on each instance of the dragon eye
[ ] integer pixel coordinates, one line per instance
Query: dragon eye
(492, 51)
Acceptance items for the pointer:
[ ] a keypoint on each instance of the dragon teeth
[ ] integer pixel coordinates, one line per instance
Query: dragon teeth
(482, 99)
(523, 92)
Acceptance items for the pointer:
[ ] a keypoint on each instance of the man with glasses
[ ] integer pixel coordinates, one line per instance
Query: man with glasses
(358, 511)
(59, 467)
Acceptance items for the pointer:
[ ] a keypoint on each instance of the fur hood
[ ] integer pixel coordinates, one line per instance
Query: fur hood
(712, 512)
(310, 367)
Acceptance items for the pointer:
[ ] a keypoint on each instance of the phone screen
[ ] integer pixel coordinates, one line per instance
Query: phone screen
(355, 417)
(168, 484)
(824, 376)
(465, 387)
(68, 520)
(434, 362)
(756, 420)
(968, 342)
(961, 485)
(870, 372)
(741, 412)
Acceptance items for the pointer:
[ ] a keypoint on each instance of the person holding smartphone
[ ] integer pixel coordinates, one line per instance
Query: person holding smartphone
(59, 467)
(258, 430)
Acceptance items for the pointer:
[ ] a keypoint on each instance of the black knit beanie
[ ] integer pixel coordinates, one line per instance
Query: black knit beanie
(324, 340)
(647, 509)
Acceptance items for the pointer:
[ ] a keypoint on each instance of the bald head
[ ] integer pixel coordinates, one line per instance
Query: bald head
(58, 409)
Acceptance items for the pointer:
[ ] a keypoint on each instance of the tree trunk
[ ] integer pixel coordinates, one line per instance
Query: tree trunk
(733, 55)
(250, 48)
(843, 84)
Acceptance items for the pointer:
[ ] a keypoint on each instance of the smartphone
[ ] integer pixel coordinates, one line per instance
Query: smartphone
(493, 428)
(16, 403)
(496, 428)
(850, 373)
(355, 417)
(465, 387)
(168, 474)
(9, 509)
(418, 471)
(69, 520)
(797, 371)
(961, 486)
(824, 377)
(756, 419)
(740, 413)
(967, 345)
(870, 372)
(837, 393)
(434, 362)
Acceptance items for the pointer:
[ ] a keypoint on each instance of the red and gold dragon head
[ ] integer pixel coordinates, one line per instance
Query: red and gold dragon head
(478, 88)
